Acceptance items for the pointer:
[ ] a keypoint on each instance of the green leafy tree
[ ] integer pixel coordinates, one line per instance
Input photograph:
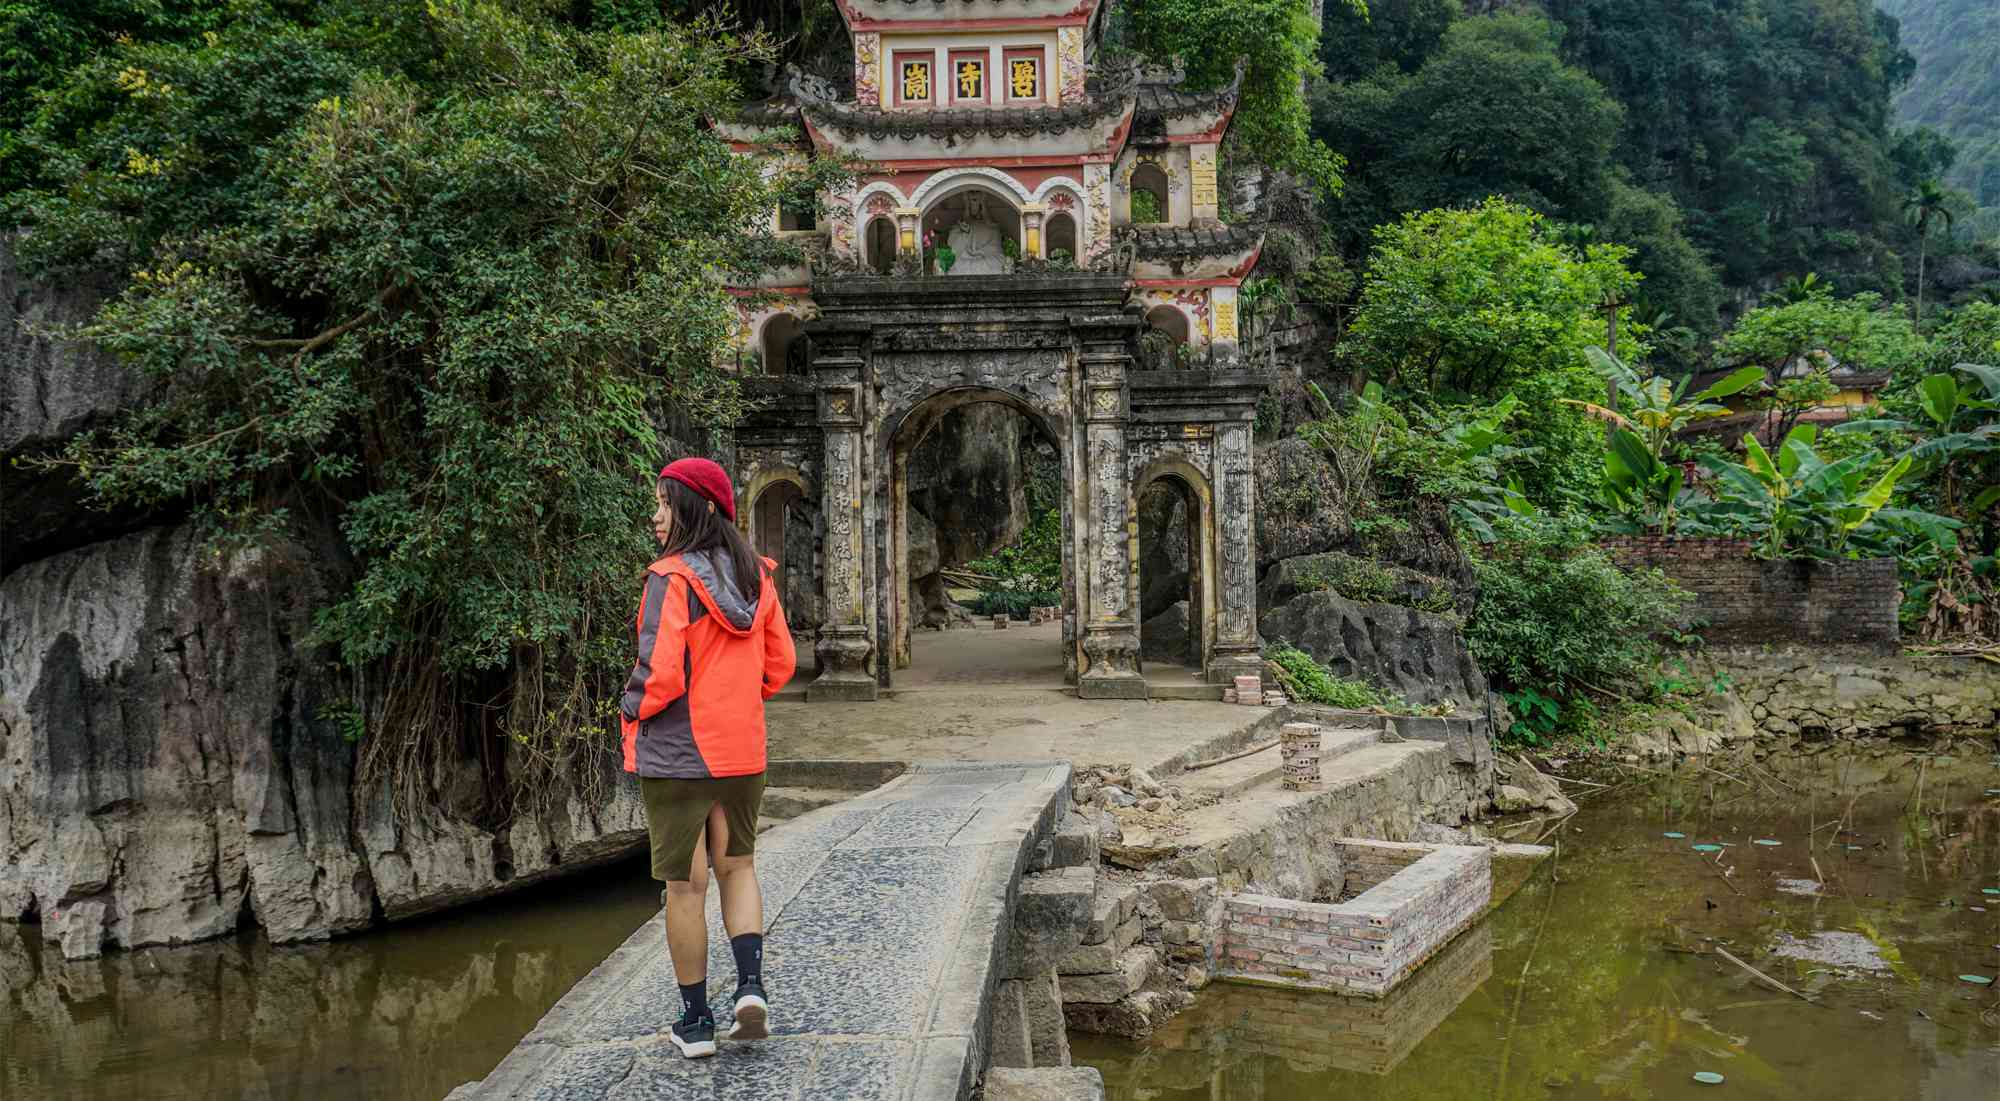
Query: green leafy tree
(1539, 132)
(1473, 305)
(1794, 341)
(1276, 45)
(1558, 617)
(1770, 125)
(449, 311)
(1797, 503)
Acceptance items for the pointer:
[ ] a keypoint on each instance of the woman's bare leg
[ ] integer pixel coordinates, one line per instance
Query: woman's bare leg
(742, 898)
(687, 923)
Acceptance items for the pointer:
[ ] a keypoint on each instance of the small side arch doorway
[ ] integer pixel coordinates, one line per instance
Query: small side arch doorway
(1172, 567)
(781, 528)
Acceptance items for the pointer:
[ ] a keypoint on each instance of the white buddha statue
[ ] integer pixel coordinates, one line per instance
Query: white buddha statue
(975, 240)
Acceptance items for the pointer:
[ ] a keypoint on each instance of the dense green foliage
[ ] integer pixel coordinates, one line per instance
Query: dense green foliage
(1467, 307)
(1275, 46)
(1729, 146)
(1769, 125)
(444, 292)
(1558, 616)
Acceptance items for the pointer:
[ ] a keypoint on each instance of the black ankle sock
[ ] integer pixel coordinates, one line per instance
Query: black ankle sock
(749, 950)
(694, 1000)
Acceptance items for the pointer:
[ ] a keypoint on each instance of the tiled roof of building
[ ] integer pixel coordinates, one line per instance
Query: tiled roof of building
(826, 108)
(1178, 242)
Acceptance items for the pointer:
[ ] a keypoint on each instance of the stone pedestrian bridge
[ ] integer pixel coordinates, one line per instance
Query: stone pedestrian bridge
(888, 918)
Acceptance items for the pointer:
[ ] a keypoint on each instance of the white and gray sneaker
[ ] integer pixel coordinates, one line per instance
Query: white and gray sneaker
(753, 1013)
(696, 1039)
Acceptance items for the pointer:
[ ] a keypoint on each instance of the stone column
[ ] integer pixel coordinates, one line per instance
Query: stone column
(1237, 648)
(1110, 628)
(844, 648)
(1031, 230)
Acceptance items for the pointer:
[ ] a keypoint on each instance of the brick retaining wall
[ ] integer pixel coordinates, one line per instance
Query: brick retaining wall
(1751, 601)
(1365, 946)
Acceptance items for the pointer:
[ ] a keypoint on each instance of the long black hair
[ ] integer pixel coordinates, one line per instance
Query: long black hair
(699, 526)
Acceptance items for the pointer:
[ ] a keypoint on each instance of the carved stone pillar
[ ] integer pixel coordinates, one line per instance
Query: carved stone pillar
(1031, 230)
(1111, 627)
(1237, 647)
(844, 648)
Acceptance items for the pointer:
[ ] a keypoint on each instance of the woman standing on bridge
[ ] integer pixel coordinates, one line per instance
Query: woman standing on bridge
(713, 646)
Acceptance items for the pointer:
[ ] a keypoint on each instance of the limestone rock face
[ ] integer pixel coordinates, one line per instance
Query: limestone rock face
(1521, 786)
(160, 752)
(1300, 506)
(50, 390)
(1418, 655)
(168, 772)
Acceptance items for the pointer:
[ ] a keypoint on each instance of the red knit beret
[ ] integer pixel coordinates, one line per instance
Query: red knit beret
(706, 478)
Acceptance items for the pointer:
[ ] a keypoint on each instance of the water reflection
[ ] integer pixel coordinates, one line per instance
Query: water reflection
(1231, 1035)
(407, 1013)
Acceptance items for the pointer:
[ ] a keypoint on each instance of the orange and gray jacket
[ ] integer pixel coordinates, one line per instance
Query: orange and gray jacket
(708, 659)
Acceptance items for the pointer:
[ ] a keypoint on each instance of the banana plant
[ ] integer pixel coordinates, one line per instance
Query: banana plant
(1653, 408)
(1797, 502)
(1958, 422)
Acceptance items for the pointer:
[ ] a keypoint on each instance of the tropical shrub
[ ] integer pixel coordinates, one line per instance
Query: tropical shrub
(1013, 603)
(1558, 616)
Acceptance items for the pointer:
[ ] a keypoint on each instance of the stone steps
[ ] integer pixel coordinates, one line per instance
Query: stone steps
(1262, 768)
(1368, 789)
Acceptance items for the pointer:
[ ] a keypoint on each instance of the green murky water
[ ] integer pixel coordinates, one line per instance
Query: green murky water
(1605, 984)
(1610, 1005)
(407, 1013)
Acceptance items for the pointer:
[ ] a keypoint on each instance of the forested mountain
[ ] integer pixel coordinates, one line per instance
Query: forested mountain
(1956, 88)
(1745, 142)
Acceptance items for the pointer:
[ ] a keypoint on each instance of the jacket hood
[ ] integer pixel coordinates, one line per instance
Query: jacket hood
(736, 612)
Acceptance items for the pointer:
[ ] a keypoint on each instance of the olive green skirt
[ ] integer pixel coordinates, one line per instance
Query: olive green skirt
(676, 811)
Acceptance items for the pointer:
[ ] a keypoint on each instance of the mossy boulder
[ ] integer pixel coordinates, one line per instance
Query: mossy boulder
(1363, 580)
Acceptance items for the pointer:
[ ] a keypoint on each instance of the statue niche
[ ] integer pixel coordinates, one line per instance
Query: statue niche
(975, 226)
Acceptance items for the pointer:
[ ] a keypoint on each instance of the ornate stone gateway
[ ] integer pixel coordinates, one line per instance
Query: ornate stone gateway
(1020, 215)
(891, 356)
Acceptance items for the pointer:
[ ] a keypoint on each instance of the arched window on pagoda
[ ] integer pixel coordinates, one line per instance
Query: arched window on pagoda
(1060, 236)
(1164, 344)
(796, 216)
(781, 345)
(1149, 194)
(881, 245)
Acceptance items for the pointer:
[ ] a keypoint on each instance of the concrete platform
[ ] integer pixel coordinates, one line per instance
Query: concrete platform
(887, 917)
